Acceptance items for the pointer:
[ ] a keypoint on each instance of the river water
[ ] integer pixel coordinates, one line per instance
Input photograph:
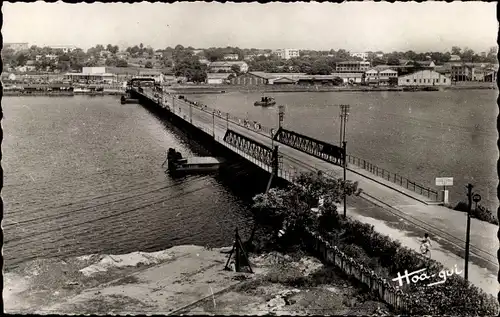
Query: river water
(83, 175)
(419, 135)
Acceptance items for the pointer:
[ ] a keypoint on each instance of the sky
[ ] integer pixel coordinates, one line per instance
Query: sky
(355, 26)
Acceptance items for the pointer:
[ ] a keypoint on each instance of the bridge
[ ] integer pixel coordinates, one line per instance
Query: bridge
(286, 153)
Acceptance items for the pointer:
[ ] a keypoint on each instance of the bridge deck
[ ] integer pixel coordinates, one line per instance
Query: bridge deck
(443, 224)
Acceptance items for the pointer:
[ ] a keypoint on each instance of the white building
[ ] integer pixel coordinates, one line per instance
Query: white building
(424, 78)
(217, 78)
(352, 78)
(227, 66)
(64, 48)
(231, 57)
(364, 56)
(380, 76)
(287, 53)
(92, 75)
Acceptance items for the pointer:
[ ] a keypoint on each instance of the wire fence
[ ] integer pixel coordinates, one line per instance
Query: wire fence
(290, 174)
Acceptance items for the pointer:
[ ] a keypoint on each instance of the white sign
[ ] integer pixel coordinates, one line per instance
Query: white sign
(444, 181)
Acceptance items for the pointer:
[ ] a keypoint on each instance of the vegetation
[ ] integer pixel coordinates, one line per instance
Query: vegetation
(291, 208)
(480, 213)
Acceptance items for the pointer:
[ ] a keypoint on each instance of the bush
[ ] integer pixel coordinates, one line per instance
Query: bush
(480, 213)
(456, 296)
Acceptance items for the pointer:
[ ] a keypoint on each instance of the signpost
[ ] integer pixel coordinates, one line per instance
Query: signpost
(444, 181)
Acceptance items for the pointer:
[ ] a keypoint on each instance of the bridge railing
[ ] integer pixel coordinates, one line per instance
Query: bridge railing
(393, 177)
(289, 174)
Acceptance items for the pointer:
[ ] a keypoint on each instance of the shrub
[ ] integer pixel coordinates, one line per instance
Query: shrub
(480, 213)
(438, 299)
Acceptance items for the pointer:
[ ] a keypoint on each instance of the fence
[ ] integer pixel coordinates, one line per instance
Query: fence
(376, 284)
(393, 177)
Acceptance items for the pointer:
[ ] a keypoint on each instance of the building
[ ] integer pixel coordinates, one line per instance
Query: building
(218, 78)
(226, 66)
(424, 78)
(230, 57)
(381, 76)
(204, 61)
(123, 55)
(490, 75)
(151, 73)
(364, 56)
(454, 58)
(64, 48)
(426, 64)
(462, 72)
(352, 67)
(350, 78)
(105, 54)
(16, 46)
(26, 68)
(92, 75)
(287, 53)
(250, 79)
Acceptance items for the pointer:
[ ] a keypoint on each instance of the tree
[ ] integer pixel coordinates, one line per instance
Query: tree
(148, 65)
(21, 59)
(320, 68)
(455, 50)
(121, 63)
(236, 69)
(290, 208)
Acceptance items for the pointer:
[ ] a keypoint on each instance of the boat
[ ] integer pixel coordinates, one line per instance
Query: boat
(178, 164)
(265, 102)
(127, 99)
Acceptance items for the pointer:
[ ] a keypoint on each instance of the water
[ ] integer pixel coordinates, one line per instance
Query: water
(83, 175)
(419, 135)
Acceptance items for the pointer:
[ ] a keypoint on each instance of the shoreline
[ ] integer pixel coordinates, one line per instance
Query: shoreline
(185, 278)
(62, 94)
(205, 89)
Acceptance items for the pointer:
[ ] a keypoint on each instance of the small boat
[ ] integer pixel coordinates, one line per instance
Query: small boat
(265, 102)
(127, 99)
(178, 164)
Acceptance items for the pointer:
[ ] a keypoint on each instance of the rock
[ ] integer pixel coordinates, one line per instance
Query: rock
(226, 249)
(276, 303)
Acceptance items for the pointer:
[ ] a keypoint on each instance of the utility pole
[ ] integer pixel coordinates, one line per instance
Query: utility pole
(213, 123)
(467, 237)
(344, 145)
(190, 113)
(344, 114)
(227, 120)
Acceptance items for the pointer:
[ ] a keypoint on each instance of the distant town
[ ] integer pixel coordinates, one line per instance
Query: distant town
(34, 68)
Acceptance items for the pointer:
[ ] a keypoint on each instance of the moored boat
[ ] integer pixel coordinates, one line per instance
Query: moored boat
(265, 102)
(178, 164)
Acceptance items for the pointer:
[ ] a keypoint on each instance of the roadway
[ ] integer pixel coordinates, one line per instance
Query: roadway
(394, 211)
